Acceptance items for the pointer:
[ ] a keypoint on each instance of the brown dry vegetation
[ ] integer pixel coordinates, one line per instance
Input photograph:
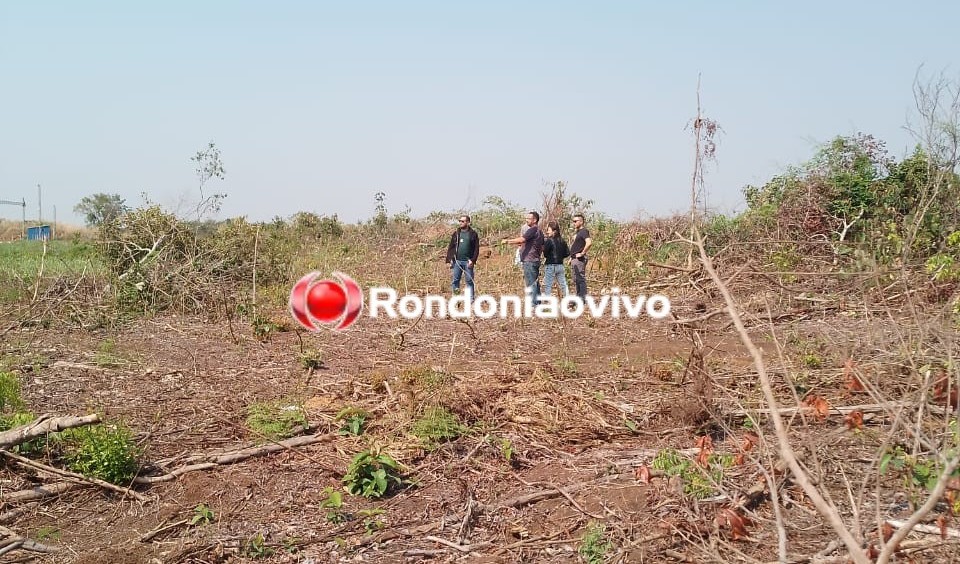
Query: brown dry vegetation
(562, 420)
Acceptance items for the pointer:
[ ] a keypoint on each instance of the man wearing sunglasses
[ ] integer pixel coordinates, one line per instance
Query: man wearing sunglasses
(462, 254)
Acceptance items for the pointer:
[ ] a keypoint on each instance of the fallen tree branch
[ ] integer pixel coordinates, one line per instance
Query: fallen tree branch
(947, 532)
(74, 476)
(14, 541)
(214, 460)
(16, 513)
(843, 410)
(39, 492)
(41, 426)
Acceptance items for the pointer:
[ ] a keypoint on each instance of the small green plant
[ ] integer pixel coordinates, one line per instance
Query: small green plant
(275, 420)
(334, 502)
(48, 533)
(353, 419)
(263, 328)
(698, 482)
(202, 515)
(256, 547)
(311, 359)
(370, 474)
(436, 426)
(920, 474)
(566, 366)
(424, 378)
(107, 356)
(595, 545)
(371, 523)
(10, 399)
(105, 452)
(812, 360)
(506, 449)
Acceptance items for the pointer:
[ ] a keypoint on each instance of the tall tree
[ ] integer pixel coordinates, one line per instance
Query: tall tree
(100, 208)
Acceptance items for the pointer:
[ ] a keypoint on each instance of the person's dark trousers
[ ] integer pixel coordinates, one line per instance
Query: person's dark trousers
(459, 268)
(579, 268)
(531, 278)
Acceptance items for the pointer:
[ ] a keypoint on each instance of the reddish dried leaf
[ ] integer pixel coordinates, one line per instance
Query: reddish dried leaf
(738, 460)
(750, 440)
(944, 391)
(705, 444)
(851, 381)
(872, 552)
(819, 406)
(738, 523)
(642, 473)
(854, 420)
(942, 523)
(887, 531)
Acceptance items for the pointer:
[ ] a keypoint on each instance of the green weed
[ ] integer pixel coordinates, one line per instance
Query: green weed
(10, 399)
(202, 515)
(275, 420)
(436, 426)
(594, 546)
(353, 419)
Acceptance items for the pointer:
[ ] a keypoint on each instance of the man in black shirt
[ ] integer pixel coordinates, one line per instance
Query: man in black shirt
(530, 253)
(462, 254)
(578, 255)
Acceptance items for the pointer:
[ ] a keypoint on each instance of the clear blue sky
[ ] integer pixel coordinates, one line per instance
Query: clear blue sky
(318, 105)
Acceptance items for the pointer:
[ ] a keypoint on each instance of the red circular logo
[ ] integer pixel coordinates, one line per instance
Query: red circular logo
(326, 302)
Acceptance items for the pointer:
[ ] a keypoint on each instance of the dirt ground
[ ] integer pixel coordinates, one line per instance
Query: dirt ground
(563, 417)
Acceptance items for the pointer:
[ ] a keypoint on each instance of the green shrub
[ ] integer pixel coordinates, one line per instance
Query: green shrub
(370, 474)
(98, 451)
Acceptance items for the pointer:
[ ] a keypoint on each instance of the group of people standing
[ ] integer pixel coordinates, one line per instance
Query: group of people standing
(536, 247)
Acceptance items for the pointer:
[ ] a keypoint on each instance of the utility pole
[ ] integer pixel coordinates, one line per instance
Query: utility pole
(53, 226)
(23, 206)
(39, 207)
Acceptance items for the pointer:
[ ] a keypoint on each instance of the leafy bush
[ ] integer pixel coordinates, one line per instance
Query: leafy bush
(98, 451)
(370, 474)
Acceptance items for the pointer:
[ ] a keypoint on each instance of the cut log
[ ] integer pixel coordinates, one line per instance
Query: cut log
(41, 426)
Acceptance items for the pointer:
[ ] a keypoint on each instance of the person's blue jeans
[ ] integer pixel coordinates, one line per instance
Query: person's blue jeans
(531, 278)
(556, 272)
(459, 268)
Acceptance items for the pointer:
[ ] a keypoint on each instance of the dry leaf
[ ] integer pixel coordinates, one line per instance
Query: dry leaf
(851, 381)
(942, 523)
(941, 388)
(642, 473)
(819, 406)
(738, 523)
(854, 420)
(887, 531)
(738, 460)
(705, 444)
(750, 440)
